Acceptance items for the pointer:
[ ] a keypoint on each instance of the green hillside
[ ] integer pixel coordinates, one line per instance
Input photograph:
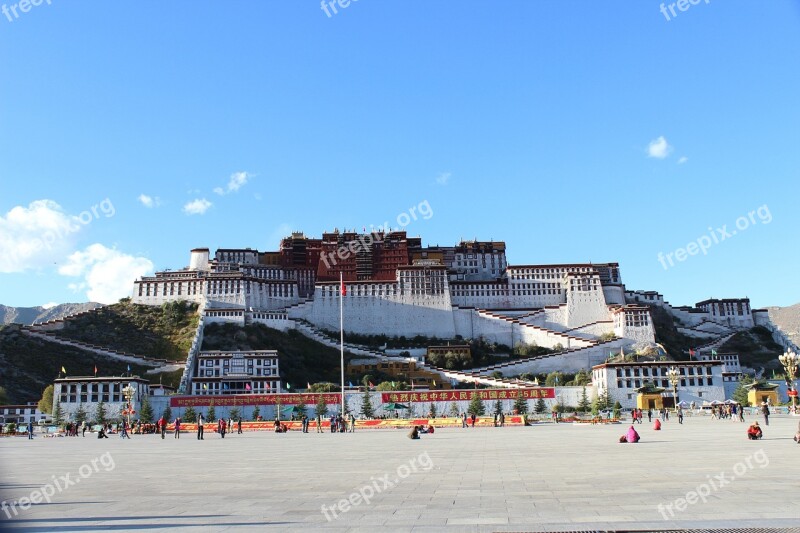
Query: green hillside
(162, 332)
(301, 359)
(756, 349)
(28, 365)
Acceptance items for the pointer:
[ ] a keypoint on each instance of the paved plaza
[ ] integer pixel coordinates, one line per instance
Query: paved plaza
(563, 477)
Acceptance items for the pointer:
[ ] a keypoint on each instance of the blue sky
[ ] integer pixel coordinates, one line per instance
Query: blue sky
(575, 131)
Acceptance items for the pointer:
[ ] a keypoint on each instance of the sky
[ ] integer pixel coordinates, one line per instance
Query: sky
(575, 131)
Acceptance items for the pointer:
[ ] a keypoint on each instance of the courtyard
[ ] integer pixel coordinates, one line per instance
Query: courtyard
(565, 477)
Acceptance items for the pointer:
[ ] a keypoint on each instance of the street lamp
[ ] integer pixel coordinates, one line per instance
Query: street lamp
(674, 376)
(789, 361)
(129, 392)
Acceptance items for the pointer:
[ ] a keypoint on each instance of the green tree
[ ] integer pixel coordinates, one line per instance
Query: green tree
(582, 378)
(617, 409)
(366, 405)
(58, 414)
(541, 406)
(584, 405)
(740, 393)
(498, 407)
(321, 408)
(167, 414)
(554, 379)
(602, 402)
(256, 413)
(432, 410)
(146, 412)
(100, 413)
(454, 410)
(521, 404)
(302, 407)
(234, 413)
(80, 414)
(212, 413)
(46, 403)
(190, 415)
(3, 396)
(476, 406)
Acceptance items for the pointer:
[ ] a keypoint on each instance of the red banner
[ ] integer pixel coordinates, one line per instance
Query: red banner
(234, 400)
(456, 395)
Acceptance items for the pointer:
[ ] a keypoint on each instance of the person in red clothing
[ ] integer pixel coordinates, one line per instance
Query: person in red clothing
(754, 432)
(657, 425)
(162, 426)
(221, 427)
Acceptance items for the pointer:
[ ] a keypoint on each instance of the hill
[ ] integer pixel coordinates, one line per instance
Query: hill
(300, 359)
(756, 349)
(28, 364)
(30, 315)
(163, 332)
(788, 320)
(676, 343)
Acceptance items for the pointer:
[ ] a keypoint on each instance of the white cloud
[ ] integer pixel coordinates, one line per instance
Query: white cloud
(198, 206)
(149, 201)
(683, 160)
(36, 236)
(443, 178)
(49, 305)
(659, 148)
(108, 274)
(236, 182)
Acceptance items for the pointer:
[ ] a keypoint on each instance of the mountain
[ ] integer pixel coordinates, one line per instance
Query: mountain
(788, 320)
(28, 315)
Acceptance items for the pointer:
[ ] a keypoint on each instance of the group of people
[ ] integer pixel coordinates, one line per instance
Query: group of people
(417, 430)
(470, 420)
(730, 412)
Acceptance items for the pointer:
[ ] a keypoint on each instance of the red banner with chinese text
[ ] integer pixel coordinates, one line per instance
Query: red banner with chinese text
(235, 400)
(458, 395)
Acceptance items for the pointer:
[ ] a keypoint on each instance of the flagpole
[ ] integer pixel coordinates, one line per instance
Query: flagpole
(341, 330)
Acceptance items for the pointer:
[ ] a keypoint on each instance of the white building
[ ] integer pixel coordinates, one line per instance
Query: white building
(700, 381)
(236, 372)
(89, 391)
(21, 414)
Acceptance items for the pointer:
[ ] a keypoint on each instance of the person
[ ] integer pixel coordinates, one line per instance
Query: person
(221, 427)
(464, 420)
(797, 435)
(333, 424)
(124, 433)
(765, 412)
(229, 427)
(177, 428)
(414, 433)
(657, 425)
(102, 433)
(162, 426)
(649, 415)
(741, 412)
(30, 430)
(502, 420)
(495, 420)
(754, 431)
(239, 426)
(631, 436)
(473, 419)
(200, 427)
(319, 423)
(352, 423)
(680, 415)
(85, 427)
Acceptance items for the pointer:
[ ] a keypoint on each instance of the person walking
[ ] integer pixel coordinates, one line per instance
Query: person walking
(464, 420)
(765, 412)
(85, 427)
(352, 423)
(649, 416)
(30, 430)
(502, 420)
(221, 426)
(124, 433)
(177, 428)
(473, 419)
(239, 426)
(162, 426)
(319, 423)
(200, 427)
(680, 415)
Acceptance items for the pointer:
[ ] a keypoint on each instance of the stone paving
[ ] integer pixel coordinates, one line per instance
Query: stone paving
(544, 478)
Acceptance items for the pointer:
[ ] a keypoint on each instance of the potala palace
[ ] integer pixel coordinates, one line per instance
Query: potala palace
(397, 287)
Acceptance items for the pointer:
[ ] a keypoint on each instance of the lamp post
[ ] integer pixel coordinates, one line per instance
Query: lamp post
(673, 375)
(129, 392)
(789, 361)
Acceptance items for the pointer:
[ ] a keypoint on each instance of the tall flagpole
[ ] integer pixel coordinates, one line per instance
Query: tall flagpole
(341, 330)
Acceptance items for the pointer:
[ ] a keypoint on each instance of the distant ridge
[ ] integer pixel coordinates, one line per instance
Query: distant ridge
(29, 315)
(787, 319)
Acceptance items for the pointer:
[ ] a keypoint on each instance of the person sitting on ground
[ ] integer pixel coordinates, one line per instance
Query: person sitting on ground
(657, 425)
(430, 429)
(102, 433)
(754, 432)
(414, 433)
(632, 436)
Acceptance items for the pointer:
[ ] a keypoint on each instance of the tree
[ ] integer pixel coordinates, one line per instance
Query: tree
(301, 408)
(190, 415)
(58, 414)
(366, 405)
(521, 404)
(46, 403)
(584, 405)
(432, 411)
(476, 406)
(146, 412)
(602, 402)
(212, 413)
(80, 414)
(100, 413)
(454, 410)
(740, 393)
(541, 407)
(167, 414)
(553, 379)
(321, 409)
(582, 378)
(498, 407)
(3, 396)
(256, 413)
(617, 408)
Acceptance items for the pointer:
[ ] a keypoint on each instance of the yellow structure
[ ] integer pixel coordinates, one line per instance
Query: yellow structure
(405, 370)
(761, 392)
(652, 397)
